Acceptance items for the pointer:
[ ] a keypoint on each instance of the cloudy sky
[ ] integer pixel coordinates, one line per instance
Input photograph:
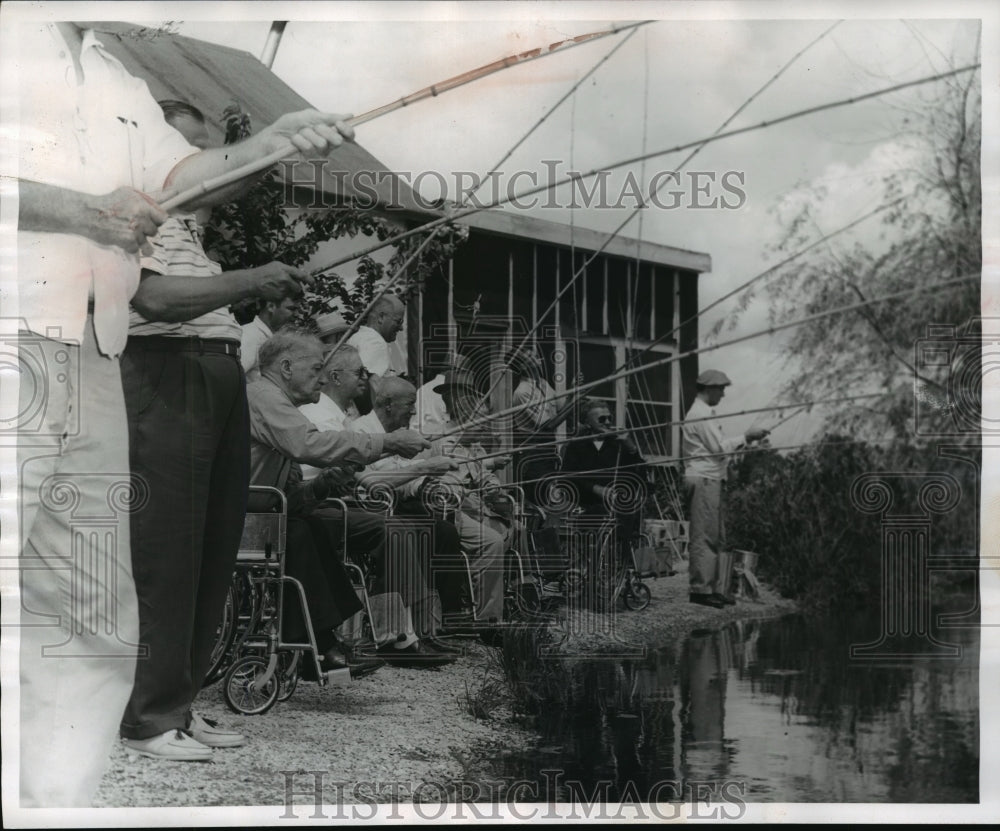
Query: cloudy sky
(674, 81)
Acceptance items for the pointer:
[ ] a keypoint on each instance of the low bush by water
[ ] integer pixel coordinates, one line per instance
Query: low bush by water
(815, 543)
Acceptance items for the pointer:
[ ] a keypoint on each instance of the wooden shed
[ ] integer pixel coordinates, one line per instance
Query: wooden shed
(502, 285)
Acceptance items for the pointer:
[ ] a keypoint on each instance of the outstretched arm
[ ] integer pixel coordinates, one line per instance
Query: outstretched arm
(124, 218)
(308, 134)
(177, 298)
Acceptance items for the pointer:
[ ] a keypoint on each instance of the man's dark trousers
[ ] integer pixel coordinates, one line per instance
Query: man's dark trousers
(189, 448)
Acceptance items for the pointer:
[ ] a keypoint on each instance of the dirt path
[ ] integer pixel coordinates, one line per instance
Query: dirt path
(398, 728)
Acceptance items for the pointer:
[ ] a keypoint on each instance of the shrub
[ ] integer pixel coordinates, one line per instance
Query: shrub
(814, 543)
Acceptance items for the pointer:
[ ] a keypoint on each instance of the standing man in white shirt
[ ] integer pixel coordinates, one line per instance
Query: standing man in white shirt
(706, 457)
(272, 315)
(93, 153)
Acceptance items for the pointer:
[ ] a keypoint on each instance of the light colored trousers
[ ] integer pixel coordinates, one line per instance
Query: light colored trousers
(79, 618)
(485, 543)
(709, 564)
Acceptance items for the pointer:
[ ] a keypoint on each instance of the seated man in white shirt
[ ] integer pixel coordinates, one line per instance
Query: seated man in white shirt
(395, 405)
(346, 380)
(431, 417)
(401, 592)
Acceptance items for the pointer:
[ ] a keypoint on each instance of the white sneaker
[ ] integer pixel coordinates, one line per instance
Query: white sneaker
(210, 734)
(173, 746)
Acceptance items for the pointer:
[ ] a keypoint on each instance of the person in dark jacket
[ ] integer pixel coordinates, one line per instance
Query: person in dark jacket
(606, 469)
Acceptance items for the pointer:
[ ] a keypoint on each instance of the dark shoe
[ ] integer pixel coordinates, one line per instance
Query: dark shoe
(362, 666)
(712, 600)
(442, 647)
(416, 656)
(725, 599)
(359, 665)
(354, 654)
(459, 630)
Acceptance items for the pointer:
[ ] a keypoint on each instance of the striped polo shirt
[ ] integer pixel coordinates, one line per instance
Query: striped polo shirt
(177, 251)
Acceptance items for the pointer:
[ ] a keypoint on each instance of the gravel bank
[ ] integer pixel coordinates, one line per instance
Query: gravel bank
(399, 726)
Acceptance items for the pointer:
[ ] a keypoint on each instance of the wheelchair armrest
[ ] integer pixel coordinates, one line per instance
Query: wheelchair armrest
(264, 499)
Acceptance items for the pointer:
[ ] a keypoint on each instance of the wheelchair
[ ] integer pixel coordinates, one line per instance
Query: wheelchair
(605, 564)
(257, 665)
(522, 591)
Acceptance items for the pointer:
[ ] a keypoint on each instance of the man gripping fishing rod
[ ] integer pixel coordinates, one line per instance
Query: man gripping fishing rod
(95, 157)
(706, 453)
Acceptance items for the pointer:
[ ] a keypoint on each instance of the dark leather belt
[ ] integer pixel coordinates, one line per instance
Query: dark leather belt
(164, 343)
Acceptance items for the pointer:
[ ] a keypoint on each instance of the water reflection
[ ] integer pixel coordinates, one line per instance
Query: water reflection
(776, 706)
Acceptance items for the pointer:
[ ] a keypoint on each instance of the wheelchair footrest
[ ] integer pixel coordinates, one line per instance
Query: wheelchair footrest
(337, 677)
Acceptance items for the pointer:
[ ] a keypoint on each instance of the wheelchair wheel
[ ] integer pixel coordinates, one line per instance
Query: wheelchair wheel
(637, 596)
(288, 673)
(224, 637)
(241, 690)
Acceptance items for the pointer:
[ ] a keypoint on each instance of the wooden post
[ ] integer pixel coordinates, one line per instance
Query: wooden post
(676, 405)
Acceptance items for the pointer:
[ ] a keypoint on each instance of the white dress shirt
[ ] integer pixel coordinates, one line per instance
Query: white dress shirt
(706, 450)
(369, 423)
(431, 418)
(372, 348)
(326, 415)
(254, 334)
(92, 137)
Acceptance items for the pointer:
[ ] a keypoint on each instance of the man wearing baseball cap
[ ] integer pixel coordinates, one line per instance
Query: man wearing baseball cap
(706, 456)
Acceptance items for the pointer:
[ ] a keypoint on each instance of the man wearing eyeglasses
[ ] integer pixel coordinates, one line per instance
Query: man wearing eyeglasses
(606, 466)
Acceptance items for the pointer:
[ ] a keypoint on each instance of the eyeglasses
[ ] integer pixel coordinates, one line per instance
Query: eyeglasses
(361, 373)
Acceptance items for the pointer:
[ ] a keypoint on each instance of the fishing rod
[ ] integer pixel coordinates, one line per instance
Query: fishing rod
(360, 318)
(800, 406)
(843, 102)
(402, 269)
(420, 95)
(642, 204)
(680, 356)
(562, 477)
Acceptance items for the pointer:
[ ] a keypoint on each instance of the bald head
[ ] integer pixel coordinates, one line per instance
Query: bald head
(395, 403)
(386, 316)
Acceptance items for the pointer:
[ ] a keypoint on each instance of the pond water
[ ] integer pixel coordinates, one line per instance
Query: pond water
(777, 709)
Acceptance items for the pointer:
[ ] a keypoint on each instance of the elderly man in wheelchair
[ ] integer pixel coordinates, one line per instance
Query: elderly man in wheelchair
(291, 364)
(424, 490)
(607, 475)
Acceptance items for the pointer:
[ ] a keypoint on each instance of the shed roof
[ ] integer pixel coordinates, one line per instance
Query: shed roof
(523, 226)
(211, 76)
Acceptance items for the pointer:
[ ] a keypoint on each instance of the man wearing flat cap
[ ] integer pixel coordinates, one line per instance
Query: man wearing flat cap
(706, 456)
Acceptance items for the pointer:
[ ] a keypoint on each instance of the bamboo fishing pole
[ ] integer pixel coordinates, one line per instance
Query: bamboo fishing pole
(560, 477)
(402, 269)
(799, 407)
(626, 373)
(575, 176)
(427, 92)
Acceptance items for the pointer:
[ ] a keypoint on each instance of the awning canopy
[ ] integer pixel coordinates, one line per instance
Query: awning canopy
(211, 77)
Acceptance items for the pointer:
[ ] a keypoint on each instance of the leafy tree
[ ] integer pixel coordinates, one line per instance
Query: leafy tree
(932, 234)
(257, 229)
